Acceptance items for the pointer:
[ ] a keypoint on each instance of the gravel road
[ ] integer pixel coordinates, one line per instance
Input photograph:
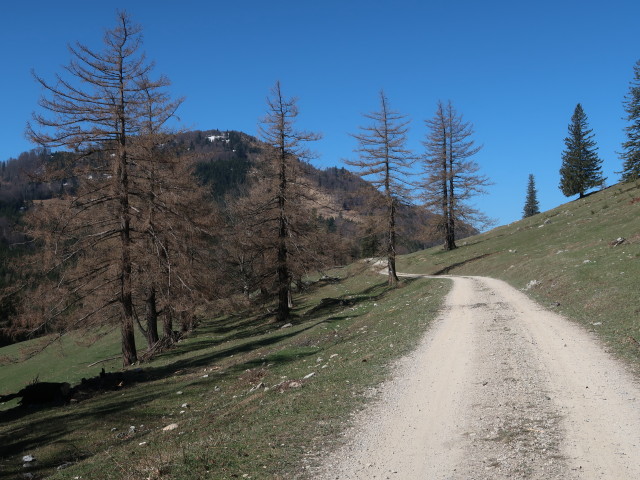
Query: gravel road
(499, 388)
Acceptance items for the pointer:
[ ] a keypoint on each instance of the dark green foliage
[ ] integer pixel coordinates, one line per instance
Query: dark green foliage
(224, 162)
(581, 167)
(19, 185)
(331, 225)
(224, 175)
(370, 245)
(531, 206)
(631, 153)
(9, 276)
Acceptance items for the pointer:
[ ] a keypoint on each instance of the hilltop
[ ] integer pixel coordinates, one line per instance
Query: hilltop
(225, 158)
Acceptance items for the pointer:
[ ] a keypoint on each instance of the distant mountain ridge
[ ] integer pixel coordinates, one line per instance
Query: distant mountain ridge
(223, 161)
(226, 157)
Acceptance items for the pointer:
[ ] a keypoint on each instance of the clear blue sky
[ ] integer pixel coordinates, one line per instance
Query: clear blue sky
(516, 70)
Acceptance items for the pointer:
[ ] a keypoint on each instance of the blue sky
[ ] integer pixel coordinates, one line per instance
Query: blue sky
(516, 70)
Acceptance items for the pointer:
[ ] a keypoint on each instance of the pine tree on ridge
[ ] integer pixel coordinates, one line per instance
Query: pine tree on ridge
(531, 206)
(631, 153)
(581, 167)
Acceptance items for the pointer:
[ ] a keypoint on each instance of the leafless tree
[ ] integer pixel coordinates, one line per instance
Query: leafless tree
(99, 110)
(281, 189)
(176, 218)
(385, 161)
(252, 243)
(451, 177)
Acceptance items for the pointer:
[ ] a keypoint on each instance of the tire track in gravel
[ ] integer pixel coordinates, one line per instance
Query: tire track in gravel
(499, 388)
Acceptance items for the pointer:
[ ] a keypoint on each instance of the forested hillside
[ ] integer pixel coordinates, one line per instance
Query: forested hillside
(226, 163)
(224, 160)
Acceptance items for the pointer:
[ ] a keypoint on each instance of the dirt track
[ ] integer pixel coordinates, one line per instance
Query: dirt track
(499, 388)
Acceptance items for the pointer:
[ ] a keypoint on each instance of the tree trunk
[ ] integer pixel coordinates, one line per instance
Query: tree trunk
(446, 204)
(152, 319)
(451, 231)
(186, 322)
(283, 282)
(450, 242)
(245, 277)
(290, 298)
(129, 353)
(391, 246)
(167, 324)
(453, 208)
(282, 269)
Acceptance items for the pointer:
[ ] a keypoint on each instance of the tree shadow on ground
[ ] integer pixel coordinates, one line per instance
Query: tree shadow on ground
(52, 425)
(261, 335)
(238, 327)
(447, 269)
(48, 425)
(54, 428)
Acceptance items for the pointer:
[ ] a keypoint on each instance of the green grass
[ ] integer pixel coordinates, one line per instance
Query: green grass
(568, 251)
(66, 360)
(250, 414)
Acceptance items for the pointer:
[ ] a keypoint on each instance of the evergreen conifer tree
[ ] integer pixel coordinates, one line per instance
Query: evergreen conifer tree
(531, 206)
(581, 167)
(631, 153)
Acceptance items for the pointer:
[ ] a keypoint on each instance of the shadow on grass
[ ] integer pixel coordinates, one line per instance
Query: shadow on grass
(53, 426)
(241, 326)
(268, 334)
(52, 429)
(330, 305)
(445, 270)
(238, 327)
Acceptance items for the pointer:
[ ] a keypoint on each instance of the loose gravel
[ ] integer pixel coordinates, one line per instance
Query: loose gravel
(499, 388)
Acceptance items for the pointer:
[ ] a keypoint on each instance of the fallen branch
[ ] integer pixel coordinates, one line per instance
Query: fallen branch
(105, 360)
(158, 347)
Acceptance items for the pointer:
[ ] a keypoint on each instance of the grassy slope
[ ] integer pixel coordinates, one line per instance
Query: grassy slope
(229, 428)
(66, 360)
(568, 251)
(229, 431)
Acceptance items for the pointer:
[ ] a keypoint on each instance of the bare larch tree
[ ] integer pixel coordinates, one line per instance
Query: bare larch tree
(385, 162)
(451, 177)
(175, 217)
(282, 191)
(97, 111)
